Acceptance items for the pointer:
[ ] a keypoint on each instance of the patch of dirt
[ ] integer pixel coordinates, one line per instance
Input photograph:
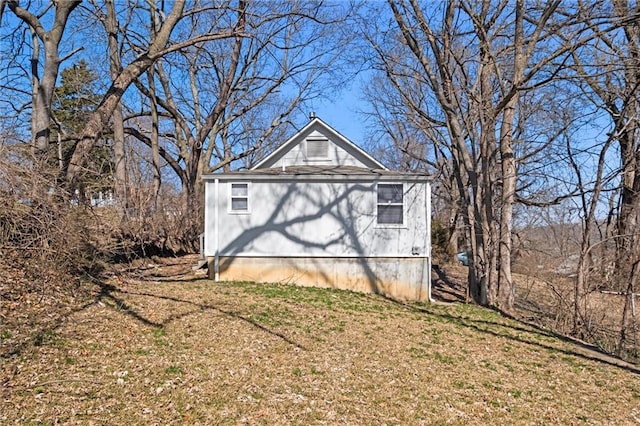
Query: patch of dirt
(449, 284)
(164, 345)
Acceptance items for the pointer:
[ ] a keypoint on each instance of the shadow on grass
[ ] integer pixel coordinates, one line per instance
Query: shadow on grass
(529, 334)
(43, 332)
(503, 326)
(445, 289)
(108, 294)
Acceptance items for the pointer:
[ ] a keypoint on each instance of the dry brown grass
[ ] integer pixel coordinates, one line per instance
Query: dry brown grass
(549, 302)
(158, 350)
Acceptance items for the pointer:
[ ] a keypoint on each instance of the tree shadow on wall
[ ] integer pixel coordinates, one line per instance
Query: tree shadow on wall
(285, 220)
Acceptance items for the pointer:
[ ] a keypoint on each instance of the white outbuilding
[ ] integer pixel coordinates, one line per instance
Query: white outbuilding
(320, 211)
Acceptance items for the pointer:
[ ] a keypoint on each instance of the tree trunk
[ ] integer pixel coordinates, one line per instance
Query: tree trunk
(155, 138)
(506, 288)
(44, 86)
(100, 117)
(627, 128)
(115, 67)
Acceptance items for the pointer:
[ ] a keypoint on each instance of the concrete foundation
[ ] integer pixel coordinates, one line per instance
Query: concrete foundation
(397, 278)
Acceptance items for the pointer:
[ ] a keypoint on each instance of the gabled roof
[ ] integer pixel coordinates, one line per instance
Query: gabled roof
(318, 125)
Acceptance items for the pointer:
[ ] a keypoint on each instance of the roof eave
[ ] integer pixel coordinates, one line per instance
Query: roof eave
(317, 177)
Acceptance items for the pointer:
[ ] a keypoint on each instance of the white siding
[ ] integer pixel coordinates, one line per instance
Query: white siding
(314, 219)
(337, 155)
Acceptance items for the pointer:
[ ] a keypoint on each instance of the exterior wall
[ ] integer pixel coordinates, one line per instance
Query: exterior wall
(313, 219)
(319, 233)
(319, 230)
(338, 156)
(398, 278)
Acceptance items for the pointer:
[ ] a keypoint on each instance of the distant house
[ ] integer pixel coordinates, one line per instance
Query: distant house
(319, 211)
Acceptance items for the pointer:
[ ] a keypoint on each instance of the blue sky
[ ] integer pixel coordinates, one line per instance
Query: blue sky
(340, 109)
(343, 109)
(342, 114)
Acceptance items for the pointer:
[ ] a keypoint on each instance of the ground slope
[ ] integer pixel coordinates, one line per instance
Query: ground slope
(153, 351)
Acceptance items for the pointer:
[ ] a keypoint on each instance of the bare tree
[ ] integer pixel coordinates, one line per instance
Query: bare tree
(474, 61)
(218, 82)
(238, 92)
(158, 47)
(44, 75)
(168, 38)
(605, 71)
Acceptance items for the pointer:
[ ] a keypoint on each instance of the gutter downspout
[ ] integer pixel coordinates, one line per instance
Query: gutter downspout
(428, 224)
(216, 240)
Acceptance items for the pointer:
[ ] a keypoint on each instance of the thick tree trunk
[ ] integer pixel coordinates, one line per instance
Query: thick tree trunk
(115, 67)
(629, 209)
(506, 288)
(119, 158)
(43, 86)
(628, 129)
(155, 138)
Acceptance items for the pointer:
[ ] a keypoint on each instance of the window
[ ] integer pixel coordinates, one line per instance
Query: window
(240, 197)
(390, 204)
(317, 147)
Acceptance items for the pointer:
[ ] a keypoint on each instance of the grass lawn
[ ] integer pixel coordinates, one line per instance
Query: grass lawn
(199, 352)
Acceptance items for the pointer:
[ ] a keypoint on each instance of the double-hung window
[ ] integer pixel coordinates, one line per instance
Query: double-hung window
(239, 202)
(390, 204)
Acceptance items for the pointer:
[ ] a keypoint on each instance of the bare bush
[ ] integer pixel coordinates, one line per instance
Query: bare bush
(163, 227)
(48, 250)
(43, 225)
(442, 251)
(607, 304)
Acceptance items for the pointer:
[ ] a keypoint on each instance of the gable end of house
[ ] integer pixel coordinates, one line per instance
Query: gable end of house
(318, 144)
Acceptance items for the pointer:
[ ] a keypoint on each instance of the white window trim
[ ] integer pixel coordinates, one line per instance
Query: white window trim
(231, 197)
(402, 225)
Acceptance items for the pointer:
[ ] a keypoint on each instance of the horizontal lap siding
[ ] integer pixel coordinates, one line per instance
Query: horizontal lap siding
(337, 154)
(315, 219)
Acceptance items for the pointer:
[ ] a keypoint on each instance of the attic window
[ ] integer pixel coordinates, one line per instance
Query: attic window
(317, 148)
